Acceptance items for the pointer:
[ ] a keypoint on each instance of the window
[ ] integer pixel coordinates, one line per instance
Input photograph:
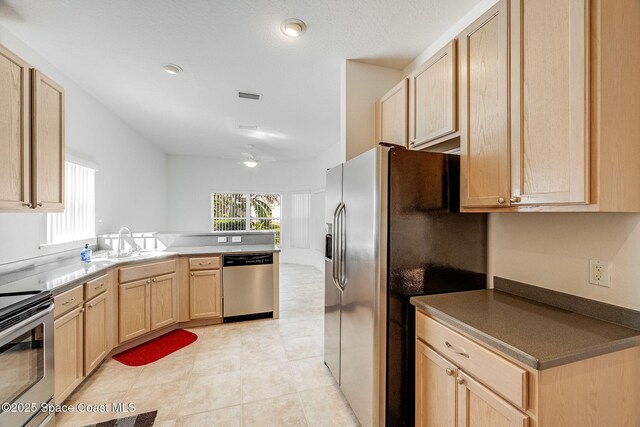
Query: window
(246, 211)
(78, 221)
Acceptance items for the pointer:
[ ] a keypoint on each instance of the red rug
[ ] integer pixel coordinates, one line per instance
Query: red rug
(157, 348)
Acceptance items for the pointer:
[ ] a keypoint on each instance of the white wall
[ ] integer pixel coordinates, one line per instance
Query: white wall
(193, 179)
(552, 250)
(362, 85)
(131, 181)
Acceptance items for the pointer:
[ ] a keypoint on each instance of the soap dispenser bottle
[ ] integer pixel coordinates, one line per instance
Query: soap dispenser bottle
(85, 254)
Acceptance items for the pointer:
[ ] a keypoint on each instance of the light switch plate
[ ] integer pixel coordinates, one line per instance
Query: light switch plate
(222, 239)
(236, 239)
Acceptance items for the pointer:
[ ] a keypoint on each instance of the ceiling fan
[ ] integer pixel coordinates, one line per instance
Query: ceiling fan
(252, 159)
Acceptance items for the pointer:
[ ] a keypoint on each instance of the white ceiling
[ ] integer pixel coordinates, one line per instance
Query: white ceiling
(115, 49)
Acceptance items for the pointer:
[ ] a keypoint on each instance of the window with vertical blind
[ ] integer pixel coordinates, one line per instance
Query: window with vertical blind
(78, 221)
(300, 219)
(246, 211)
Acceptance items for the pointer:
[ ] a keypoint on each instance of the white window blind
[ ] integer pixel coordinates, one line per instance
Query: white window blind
(78, 221)
(300, 218)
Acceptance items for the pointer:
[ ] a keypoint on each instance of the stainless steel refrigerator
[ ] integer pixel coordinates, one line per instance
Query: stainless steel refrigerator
(394, 230)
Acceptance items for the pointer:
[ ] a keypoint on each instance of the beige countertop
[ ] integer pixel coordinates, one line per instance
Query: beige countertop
(539, 335)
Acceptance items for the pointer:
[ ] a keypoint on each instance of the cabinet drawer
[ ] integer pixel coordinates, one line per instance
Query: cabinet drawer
(142, 271)
(496, 372)
(96, 286)
(207, 263)
(67, 301)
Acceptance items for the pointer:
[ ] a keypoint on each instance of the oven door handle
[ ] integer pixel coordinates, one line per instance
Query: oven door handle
(32, 319)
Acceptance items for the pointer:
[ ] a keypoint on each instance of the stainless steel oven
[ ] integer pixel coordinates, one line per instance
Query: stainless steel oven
(26, 359)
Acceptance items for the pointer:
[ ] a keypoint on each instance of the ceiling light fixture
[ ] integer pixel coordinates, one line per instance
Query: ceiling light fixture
(172, 69)
(250, 163)
(293, 27)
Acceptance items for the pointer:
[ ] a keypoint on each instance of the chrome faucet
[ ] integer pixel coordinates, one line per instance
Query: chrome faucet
(121, 240)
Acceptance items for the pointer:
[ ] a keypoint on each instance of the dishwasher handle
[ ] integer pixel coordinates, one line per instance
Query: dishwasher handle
(251, 259)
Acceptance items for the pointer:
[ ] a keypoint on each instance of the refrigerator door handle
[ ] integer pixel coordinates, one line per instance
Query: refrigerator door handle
(342, 237)
(335, 267)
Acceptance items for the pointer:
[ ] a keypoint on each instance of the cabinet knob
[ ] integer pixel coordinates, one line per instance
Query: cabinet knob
(449, 371)
(82, 310)
(27, 205)
(191, 274)
(412, 142)
(39, 204)
(459, 380)
(91, 305)
(153, 280)
(515, 199)
(148, 280)
(501, 200)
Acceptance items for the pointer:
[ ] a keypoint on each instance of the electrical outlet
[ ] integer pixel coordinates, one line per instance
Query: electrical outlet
(236, 239)
(599, 273)
(222, 239)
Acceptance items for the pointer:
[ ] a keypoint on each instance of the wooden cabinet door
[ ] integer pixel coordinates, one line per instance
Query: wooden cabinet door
(68, 353)
(164, 301)
(435, 389)
(433, 107)
(549, 101)
(48, 143)
(134, 303)
(97, 326)
(391, 116)
(484, 115)
(205, 294)
(15, 132)
(480, 407)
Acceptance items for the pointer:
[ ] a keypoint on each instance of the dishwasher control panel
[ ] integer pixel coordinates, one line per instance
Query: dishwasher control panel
(240, 260)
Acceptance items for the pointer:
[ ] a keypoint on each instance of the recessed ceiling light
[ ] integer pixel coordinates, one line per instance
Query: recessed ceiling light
(293, 27)
(172, 69)
(250, 163)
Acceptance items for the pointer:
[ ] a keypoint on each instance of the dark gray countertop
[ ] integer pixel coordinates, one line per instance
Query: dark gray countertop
(60, 276)
(539, 335)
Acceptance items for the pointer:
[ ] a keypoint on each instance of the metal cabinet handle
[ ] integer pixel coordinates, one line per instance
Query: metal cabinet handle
(69, 301)
(515, 199)
(204, 263)
(27, 205)
(448, 371)
(98, 287)
(456, 350)
(501, 200)
(459, 380)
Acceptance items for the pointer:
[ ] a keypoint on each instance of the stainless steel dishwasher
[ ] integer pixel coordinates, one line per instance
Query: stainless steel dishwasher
(247, 286)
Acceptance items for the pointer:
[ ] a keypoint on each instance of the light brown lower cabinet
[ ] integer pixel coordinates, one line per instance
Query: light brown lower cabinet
(146, 305)
(68, 353)
(97, 326)
(134, 303)
(205, 291)
(164, 301)
(463, 384)
(443, 391)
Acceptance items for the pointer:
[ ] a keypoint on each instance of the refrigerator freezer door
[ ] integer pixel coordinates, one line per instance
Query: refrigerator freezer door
(364, 295)
(332, 295)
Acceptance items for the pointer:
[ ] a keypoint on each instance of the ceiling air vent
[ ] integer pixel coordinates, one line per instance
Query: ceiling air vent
(248, 127)
(249, 95)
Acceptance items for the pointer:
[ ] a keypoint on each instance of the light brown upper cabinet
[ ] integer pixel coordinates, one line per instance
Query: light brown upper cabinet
(391, 115)
(31, 138)
(48, 143)
(556, 126)
(433, 106)
(15, 132)
(549, 101)
(484, 88)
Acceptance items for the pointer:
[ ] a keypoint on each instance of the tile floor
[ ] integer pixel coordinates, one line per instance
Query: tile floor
(264, 373)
